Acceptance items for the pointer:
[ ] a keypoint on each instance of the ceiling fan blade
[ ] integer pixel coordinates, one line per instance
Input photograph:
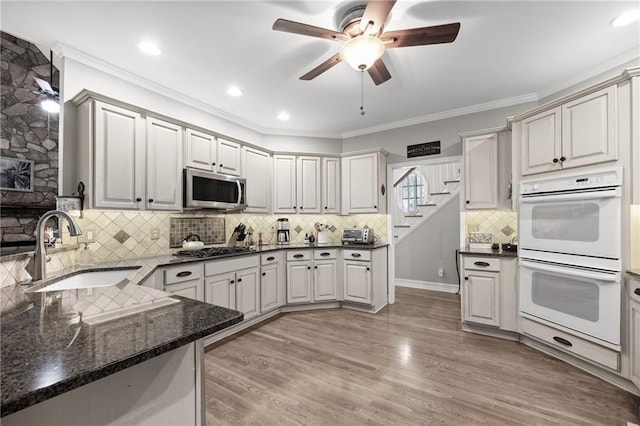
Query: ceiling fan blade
(44, 85)
(375, 15)
(421, 36)
(332, 61)
(379, 72)
(287, 26)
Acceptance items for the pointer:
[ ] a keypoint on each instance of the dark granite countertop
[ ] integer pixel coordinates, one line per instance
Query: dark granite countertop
(634, 272)
(488, 252)
(53, 342)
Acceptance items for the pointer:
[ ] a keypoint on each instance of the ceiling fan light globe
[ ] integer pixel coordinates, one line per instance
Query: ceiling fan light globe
(50, 105)
(362, 52)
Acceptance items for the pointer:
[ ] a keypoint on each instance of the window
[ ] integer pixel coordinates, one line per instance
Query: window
(413, 192)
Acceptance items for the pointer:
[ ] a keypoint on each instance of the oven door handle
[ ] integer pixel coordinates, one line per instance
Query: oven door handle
(601, 276)
(587, 195)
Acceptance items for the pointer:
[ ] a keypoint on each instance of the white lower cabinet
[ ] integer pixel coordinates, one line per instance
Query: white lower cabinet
(234, 284)
(634, 330)
(184, 280)
(299, 277)
(312, 276)
(489, 292)
(357, 281)
(365, 277)
(272, 286)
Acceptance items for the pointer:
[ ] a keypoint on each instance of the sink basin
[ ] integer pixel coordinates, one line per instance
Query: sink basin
(89, 279)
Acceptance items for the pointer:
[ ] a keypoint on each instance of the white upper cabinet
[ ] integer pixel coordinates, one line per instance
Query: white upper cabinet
(284, 184)
(257, 171)
(206, 152)
(364, 183)
(200, 150)
(481, 171)
(578, 133)
(331, 185)
(228, 157)
(308, 184)
(164, 165)
(119, 157)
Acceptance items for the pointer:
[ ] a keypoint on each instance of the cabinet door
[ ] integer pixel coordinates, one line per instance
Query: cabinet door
(541, 142)
(360, 183)
(220, 290)
(284, 184)
(634, 343)
(228, 158)
(257, 171)
(248, 292)
(199, 150)
(308, 184)
(119, 158)
(269, 288)
(589, 129)
(114, 340)
(331, 185)
(190, 289)
(325, 281)
(481, 297)
(164, 165)
(357, 282)
(481, 171)
(298, 282)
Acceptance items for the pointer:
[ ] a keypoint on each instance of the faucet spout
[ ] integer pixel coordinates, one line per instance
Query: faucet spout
(39, 269)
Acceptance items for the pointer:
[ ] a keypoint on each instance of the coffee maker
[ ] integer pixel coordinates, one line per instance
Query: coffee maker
(283, 231)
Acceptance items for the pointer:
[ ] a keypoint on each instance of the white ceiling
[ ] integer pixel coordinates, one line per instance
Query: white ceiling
(506, 52)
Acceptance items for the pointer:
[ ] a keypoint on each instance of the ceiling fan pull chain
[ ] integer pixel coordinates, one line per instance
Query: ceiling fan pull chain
(362, 92)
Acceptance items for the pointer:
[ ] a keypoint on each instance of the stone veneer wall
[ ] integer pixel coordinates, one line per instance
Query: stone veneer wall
(27, 132)
(503, 225)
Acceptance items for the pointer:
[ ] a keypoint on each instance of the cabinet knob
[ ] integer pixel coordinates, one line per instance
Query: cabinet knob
(368, 269)
(213, 164)
(301, 207)
(316, 267)
(555, 160)
(562, 158)
(239, 280)
(375, 207)
(326, 208)
(466, 278)
(308, 267)
(637, 291)
(231, 282)
(468, 202)
(138, 199)
(221, 165)
(151, 200)
(264, 273)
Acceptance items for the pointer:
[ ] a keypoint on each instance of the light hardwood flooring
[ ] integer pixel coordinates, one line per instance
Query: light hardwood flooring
(410, 364)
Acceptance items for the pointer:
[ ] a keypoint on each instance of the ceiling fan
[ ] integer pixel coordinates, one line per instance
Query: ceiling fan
(364, 38)
(47, 93)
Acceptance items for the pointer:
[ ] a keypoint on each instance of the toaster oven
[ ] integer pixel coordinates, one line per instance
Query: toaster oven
(357, 236)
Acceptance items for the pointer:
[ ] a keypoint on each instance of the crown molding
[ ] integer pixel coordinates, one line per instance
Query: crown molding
(500, 103)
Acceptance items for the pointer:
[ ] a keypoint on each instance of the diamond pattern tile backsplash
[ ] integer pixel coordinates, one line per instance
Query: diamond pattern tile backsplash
(503, 225)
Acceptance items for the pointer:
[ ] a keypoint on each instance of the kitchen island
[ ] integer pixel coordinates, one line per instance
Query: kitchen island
(117, 354)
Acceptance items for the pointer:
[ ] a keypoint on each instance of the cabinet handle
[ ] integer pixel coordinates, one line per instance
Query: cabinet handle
(466, 278)
(298, 256)
(483, 264)
(264, 273)
(271, 258)
(637, 291)
(151, 200)
(183, 274)
(325, 254)
(555, 160)
(562, 341)
(562, 158)
(138, 199)
(356, 255)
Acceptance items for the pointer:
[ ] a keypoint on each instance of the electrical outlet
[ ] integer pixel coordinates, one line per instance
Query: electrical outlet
(90, 236)
(155, 233)
(441, 272)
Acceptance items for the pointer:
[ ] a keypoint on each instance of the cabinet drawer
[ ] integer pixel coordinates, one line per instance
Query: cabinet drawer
(178, 274)
(356, 255)
(325, 254)
(481, 263)
(269, 258)
(572, 344)
(298, 255)
(634, 289)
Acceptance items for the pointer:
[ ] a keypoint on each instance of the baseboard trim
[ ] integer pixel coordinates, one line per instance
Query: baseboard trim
(427, 285)
(309, 307)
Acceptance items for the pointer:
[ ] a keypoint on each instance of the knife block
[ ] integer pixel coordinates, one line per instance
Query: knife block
(233, 240)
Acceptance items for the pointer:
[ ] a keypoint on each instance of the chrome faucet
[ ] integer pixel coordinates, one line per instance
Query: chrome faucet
(40, 258)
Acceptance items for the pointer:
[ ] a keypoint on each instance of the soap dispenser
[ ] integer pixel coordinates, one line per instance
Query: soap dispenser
(86, 256)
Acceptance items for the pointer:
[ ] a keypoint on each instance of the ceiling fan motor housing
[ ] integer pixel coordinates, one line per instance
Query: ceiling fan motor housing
(350, 22)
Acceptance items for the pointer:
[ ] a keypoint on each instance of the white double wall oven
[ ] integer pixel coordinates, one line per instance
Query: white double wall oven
(570, 251)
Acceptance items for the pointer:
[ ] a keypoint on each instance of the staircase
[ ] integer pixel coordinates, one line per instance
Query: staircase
(442, 186)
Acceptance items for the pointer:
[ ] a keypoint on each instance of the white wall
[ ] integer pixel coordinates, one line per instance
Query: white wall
(446, 131)
(302, 144)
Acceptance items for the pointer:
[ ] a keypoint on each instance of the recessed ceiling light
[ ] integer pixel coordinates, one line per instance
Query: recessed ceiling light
(149, 48)
(628, 17)
(283, 116)
(234, 91)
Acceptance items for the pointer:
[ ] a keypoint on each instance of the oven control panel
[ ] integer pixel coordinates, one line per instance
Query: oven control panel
(593, 179)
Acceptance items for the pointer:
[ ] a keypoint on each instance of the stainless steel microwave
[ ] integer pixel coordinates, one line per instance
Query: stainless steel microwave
(208, 190)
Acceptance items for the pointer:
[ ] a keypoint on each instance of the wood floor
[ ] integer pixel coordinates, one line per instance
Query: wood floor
(409, 364)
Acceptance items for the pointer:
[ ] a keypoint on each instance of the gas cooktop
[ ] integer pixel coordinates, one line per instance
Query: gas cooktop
(214, 251)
